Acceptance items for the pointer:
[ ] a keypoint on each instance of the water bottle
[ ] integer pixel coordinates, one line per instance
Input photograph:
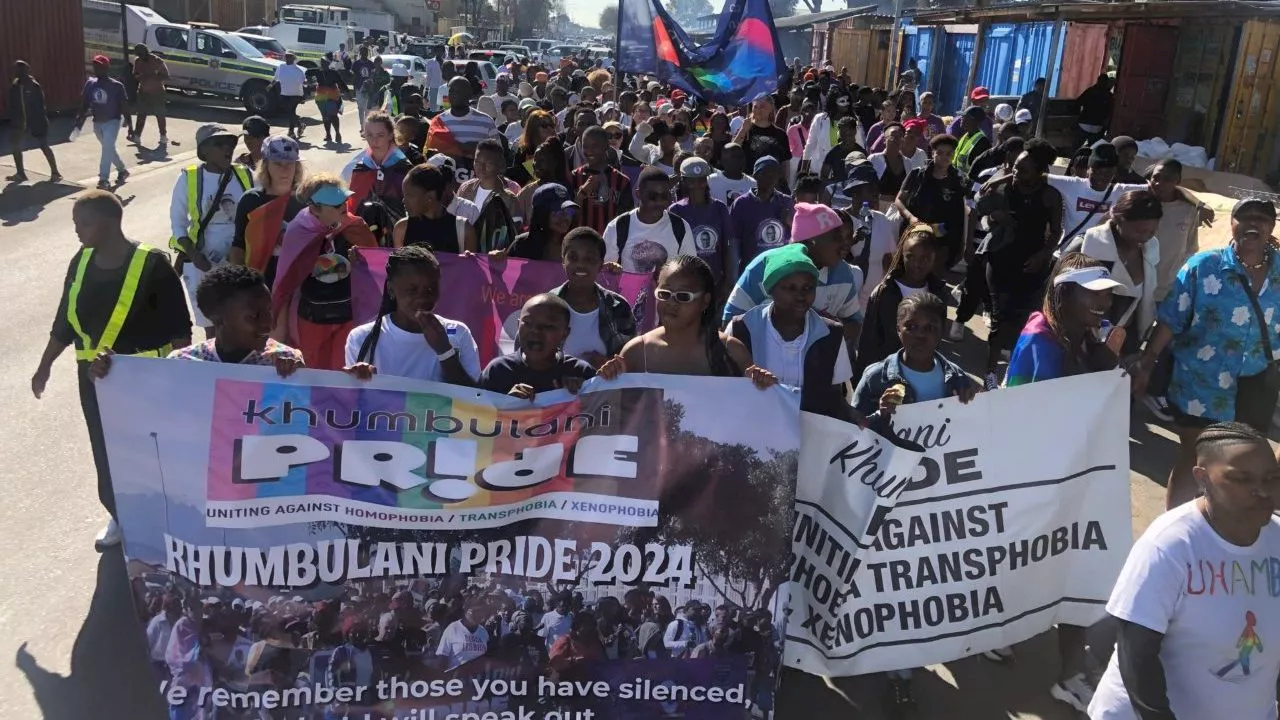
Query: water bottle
(865, 215)
(1104, 330)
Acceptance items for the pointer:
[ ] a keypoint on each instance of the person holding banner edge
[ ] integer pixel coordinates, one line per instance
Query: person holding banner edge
(118, 295)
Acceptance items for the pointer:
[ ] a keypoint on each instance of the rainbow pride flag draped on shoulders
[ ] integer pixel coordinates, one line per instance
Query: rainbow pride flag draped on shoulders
(742, 59)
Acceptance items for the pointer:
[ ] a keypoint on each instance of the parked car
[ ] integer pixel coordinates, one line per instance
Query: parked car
(519, 51)
(553, 55)
(268, 46)
(496, 57)
(417, 67)
(487, 72)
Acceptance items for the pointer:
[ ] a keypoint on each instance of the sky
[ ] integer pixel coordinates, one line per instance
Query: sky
(587, 12)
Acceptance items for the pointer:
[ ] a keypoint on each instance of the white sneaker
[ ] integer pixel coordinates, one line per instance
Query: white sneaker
(1073, 691)
(956, 332)
(1158, 406)
(109, 537)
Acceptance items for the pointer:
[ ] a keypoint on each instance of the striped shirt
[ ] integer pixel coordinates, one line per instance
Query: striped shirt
(612, 197)
(837, 294)
(469, 129)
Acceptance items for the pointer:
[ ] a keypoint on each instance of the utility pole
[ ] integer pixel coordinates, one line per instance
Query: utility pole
(895, 47)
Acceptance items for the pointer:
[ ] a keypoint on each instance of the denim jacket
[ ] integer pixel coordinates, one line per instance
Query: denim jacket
(888, 372)
(617, 324)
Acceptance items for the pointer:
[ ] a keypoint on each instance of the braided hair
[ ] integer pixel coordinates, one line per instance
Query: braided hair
(708, 324)
(1219, 435)
(411, 256)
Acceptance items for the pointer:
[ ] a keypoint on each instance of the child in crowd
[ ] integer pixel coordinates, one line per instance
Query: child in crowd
(236, 300)
(539, 364)
(600, 321)
(408, 339)
(910, 273)
(791, 340)
(429, 222)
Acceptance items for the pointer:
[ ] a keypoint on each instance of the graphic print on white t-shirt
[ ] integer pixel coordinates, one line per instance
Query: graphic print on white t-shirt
(1216, 605)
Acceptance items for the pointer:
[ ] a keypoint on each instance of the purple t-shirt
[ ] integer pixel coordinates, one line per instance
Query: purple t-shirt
(758, 225)
(712, 231)
(105, 97)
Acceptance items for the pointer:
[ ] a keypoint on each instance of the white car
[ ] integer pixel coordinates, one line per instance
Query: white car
(417, 67)
(552, 56)
(488, 74)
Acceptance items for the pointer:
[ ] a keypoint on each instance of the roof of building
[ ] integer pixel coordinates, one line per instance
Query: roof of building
(796, 22)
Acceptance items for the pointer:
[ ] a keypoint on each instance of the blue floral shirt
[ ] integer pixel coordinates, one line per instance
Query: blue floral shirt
(1215, 335)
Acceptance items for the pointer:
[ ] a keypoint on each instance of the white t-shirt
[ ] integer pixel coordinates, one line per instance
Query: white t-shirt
(406, 354)
(910, 291)
(1185, 581)
(1079, 198)
(461, 645)
(647, 247)
(513, 132)
(464, 209)
(883, 242)
(221, 229)
(785, 358)
(735, 124)
(554, 626)
(726, 190)
(482, 194)
(292, 79)
(584, 334)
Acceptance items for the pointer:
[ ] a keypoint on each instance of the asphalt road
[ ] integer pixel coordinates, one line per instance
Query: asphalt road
(69, 647)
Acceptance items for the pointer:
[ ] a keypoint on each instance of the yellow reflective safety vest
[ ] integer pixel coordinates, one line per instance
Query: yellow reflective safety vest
(194, 192)
(88, 349)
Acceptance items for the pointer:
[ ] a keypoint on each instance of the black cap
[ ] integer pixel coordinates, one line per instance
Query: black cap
(1262, 204)
(256, 126)
(1104, 155)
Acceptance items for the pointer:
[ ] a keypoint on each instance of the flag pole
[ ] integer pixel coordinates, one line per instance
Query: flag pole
(617, 53)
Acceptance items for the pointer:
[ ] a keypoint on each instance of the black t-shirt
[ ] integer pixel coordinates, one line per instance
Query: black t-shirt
(504, 373)
(770, 140)
(157, 316)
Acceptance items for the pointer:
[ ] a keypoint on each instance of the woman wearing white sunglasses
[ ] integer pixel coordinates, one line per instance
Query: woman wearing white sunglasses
(687, 340)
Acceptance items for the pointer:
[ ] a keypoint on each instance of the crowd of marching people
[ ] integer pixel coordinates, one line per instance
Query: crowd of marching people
(431, 630)
(814, 237)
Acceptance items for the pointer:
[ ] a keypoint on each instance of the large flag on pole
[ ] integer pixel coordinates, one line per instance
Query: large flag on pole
(742, 59)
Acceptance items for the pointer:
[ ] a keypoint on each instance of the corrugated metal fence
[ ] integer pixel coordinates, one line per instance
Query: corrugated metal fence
(1013, 56)
(49, 36)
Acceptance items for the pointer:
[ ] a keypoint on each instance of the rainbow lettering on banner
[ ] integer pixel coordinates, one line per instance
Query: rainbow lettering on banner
(282, 453)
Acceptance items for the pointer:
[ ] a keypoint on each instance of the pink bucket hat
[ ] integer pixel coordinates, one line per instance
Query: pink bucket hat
(811, 220)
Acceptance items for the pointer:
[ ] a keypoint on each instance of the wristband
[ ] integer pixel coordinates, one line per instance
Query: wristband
(450, 353)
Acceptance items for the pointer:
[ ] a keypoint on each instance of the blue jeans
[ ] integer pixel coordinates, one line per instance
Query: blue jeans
(107, 132)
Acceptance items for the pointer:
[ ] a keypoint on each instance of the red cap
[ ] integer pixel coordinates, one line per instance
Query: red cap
(678, 94)
(101, 60)
(980, 93)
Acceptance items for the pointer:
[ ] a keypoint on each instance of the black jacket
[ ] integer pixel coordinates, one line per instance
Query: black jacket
(879, 338)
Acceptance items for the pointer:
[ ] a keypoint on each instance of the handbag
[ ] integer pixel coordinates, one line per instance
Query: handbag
(1256, 394)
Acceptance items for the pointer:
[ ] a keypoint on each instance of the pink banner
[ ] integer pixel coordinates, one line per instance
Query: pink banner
(486, 295)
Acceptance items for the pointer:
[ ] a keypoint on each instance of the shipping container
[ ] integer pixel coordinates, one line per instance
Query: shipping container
(1013, 56)
(957, 55)
(1086, 46)
(918, 43)
(49, 36)
(1201, 69)
(1142, 80)
(1249, 142)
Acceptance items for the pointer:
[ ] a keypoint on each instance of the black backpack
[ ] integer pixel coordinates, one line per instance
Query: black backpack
(624, 230)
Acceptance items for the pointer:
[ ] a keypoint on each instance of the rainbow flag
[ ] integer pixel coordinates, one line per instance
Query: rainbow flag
(742, 59)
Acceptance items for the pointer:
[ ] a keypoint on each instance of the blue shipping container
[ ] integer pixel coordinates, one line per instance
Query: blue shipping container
(917, 42)
(1013, 56)
(957, 54)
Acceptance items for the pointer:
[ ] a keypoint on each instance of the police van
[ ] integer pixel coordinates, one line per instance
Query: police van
(201, 60)
(310, 31)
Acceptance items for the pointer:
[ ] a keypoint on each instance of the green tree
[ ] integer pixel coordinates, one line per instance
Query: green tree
(686, 11)
(735, 512)
(786, 8)
(609, 18)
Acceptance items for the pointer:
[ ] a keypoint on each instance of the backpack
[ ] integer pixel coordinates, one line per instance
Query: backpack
(624, 230)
